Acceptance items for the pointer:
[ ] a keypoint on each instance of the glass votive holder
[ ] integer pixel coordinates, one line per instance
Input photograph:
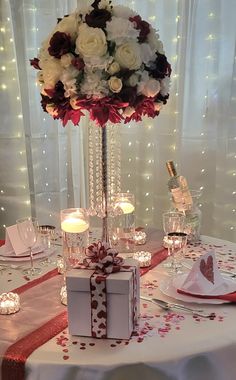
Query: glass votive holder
(75, 235)
(47, 234)
(144, 258)
(61, 266)
(63, 295)
(9, 303)
(124, 221)
(140, 237)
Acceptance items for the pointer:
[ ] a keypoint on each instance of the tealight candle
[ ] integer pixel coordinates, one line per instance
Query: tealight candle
(140, 237)
(144, 258)
(74, 225)
(126, 207)
(9, 303)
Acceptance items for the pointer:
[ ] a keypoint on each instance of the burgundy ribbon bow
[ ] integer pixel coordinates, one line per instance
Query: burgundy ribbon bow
(101, 257)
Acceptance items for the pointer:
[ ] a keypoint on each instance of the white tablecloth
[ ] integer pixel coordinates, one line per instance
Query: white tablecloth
(168, 345)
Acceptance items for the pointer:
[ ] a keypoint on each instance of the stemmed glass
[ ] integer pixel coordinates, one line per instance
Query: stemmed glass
(28, 232)
(173, 222)
(176, 243)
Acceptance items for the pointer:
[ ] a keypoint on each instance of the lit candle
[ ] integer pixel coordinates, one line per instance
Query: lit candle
(74, 225)
(9, 303)
(126, 207)
(144, 258)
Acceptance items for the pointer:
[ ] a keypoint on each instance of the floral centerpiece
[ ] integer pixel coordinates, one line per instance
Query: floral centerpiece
(104, 59)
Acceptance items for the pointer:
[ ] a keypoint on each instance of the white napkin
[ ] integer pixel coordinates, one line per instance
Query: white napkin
(206, 279)
(13, 245)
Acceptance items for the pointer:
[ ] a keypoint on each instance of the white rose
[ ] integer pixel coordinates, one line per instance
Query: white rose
(123, 12)
(128, 111)
(128, 56)
(115, 84)
(66, 59)
(154, 42)
(91, 42)
(121, 31)
(51, 109)
(69, 25)
(52, 71)
(133, 80)
(151, 88)
(113, 68)
(147, 54)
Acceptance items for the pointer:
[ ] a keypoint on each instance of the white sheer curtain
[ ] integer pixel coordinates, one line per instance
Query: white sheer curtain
(197, 127)
(41, 163)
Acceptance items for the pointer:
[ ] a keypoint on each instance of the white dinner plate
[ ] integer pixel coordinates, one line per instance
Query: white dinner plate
(38, 255)
(227, 286)
(167, 288)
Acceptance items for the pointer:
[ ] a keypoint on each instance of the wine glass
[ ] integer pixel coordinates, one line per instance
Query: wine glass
(28, 232)
(176, 243)
(173, 221)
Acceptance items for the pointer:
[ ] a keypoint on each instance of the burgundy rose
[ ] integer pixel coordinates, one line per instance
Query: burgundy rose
(35, 63)
(160, 67)
(142, 26)
(98, 18)
(78, 63)
(60, 44)
(128, 95)
(95, 4)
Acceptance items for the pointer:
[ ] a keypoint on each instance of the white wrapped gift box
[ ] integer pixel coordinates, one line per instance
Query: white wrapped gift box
(121, 298)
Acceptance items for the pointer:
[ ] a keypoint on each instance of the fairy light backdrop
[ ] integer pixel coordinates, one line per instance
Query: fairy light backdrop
(40, 162)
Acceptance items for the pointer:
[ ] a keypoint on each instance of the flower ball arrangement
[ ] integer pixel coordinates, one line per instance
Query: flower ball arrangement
(104, 59)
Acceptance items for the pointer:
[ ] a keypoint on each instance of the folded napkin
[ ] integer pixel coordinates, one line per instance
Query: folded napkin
(13, 245)
(205, 281)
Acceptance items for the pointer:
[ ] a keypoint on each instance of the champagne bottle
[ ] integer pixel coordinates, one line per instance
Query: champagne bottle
(178, 187)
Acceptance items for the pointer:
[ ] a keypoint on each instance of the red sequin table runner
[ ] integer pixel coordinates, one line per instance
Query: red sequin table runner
(42, 317)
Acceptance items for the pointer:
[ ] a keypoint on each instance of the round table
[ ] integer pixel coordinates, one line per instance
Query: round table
(167, 345)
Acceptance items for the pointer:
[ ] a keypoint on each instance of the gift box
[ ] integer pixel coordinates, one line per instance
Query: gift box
(103, 305)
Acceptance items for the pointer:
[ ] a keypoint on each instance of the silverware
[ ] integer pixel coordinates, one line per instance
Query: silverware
(169, 305)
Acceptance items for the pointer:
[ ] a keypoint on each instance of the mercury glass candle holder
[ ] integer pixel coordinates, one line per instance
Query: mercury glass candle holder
(124, 222)
(75, 235)
(61, 266)
(63, 295)
(140, 237)
(9, 303)
(144, 258)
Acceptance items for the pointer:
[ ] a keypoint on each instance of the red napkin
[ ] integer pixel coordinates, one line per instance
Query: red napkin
(227, 297)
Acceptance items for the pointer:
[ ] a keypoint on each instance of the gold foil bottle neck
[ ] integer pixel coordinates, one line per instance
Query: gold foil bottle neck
(171, 168)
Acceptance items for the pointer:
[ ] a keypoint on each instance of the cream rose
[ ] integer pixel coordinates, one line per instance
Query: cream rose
(128, 56)
(66, 59)
(151, 88)
(115, 84)
(91, 42)
(69, 25)
(52, 71)
(114, 68)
